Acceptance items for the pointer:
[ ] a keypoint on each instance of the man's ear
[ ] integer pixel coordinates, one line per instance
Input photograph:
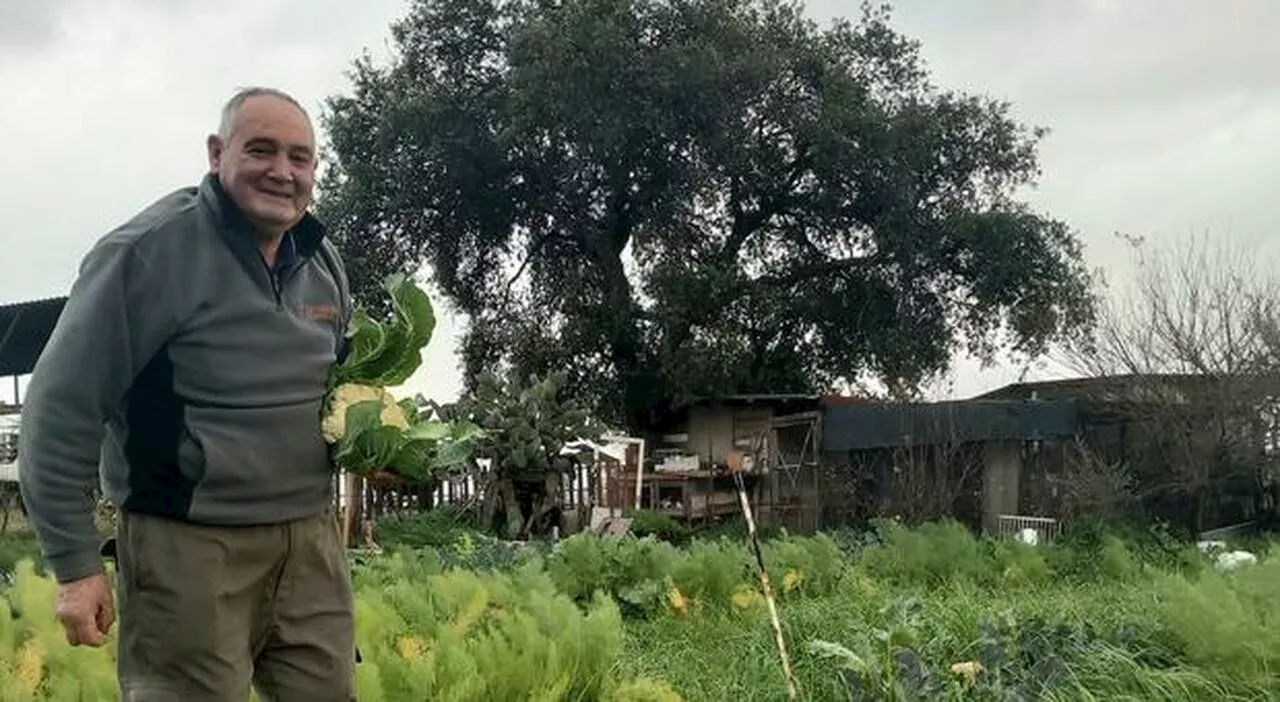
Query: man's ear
(214, 147)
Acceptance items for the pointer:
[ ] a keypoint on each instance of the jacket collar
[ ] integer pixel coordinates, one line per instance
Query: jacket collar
(307, 234)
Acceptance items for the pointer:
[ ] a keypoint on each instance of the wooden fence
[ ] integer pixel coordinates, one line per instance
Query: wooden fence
(577, 490)
(580, 491)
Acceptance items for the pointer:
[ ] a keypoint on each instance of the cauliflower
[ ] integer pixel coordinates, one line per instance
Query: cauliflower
(334, 425)
(969, 670)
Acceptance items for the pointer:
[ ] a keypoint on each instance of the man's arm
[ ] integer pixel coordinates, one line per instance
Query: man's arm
(116, 317)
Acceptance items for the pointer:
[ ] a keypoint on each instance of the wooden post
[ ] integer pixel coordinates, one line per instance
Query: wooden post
(351, 511)
(767, 586)
(639, 481)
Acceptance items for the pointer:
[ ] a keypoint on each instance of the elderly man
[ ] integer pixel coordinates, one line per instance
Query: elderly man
(186, 374)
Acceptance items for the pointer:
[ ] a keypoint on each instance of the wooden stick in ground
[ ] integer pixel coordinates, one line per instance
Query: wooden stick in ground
(354, 489)
(767, 585)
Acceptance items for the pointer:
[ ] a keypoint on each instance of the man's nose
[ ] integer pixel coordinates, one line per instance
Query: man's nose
(280, 170)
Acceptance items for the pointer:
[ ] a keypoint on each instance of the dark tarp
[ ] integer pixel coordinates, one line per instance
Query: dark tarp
(25, 328)
(864, 427)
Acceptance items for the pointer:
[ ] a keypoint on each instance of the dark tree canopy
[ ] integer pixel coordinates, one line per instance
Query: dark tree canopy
(666, 198)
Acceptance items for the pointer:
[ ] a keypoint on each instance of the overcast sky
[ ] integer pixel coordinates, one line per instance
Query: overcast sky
(1165, 114)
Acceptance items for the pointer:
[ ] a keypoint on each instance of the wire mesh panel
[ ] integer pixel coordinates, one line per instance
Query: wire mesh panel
(1046, 530)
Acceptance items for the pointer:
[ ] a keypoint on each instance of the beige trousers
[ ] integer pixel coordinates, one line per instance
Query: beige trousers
(207, 612)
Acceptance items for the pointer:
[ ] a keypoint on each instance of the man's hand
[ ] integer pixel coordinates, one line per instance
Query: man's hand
(87, 610)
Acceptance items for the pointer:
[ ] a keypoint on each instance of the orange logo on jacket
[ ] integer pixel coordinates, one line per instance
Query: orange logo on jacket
(325, 313)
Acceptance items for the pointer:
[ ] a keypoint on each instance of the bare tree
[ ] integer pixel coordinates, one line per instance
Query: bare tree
(1269, 329)
(935, 473)
(927, 473)
(1091, 484)
(1192, 352)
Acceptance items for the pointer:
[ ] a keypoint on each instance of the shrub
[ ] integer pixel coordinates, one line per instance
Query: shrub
(15, 548)
(1017, 563)
(646, 522)
(35, 661)
(1229, 621)
(467, 636)
(932, 554)
(811, 565)
(423, 633)
(1093, 551)
(437, 527)
(632, 570)
(735, 529)
(710, 572)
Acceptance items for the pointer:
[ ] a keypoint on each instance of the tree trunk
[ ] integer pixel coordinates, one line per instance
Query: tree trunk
(502, 509)
(1199, 504)
(626, 354)
(544, 509)
(624, 338)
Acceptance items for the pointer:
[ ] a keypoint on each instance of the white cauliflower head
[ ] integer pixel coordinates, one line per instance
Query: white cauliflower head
(334, 425)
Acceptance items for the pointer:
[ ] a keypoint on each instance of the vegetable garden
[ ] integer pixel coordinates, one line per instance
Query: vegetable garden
(894, 613)
(446, 611)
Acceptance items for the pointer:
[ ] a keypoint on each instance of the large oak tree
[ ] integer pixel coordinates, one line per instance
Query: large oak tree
(667, 198)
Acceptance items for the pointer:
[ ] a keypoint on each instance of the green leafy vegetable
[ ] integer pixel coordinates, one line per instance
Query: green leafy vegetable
(387, 355)
(368, 429)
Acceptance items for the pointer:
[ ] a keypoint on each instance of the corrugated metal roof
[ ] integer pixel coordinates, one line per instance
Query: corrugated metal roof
(8, 306)
(1092, 385)
(758, 397)
(861, 427)
(775, 399)
(25, 328)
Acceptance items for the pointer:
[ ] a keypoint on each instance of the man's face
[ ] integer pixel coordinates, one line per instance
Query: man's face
(268, 165)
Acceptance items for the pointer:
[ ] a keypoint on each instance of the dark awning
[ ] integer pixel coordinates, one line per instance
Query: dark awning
(887, 425)
(25, 328)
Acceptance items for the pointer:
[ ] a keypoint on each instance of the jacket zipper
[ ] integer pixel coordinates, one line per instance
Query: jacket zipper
(280, 279)
(273, 279)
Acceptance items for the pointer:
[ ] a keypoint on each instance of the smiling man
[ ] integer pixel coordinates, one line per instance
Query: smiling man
(186, 377)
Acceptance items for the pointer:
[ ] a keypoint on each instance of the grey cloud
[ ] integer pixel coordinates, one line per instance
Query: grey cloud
(1129, 52)
(1161, 111)
(27, 24)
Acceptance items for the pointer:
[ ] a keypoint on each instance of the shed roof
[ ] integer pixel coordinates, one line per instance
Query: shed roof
(1094, 385)
(25, 327)
(887, 425)
(774, 399)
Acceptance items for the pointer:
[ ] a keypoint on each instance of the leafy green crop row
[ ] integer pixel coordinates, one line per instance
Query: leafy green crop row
(931, 612)
(424, 634)
(900, 614)
(935, 613)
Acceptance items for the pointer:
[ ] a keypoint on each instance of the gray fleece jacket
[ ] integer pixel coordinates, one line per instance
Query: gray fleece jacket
(185, 376)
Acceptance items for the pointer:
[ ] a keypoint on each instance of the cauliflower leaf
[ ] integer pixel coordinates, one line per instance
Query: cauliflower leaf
(366, 427)
(387, 354)
(367, 444)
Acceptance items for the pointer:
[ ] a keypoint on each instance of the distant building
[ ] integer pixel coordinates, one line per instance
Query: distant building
(1025, 454)
(25, 328)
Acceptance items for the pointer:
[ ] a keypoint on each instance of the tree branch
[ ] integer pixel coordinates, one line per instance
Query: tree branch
(533, 250)
(747, 223)
(816, 270)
